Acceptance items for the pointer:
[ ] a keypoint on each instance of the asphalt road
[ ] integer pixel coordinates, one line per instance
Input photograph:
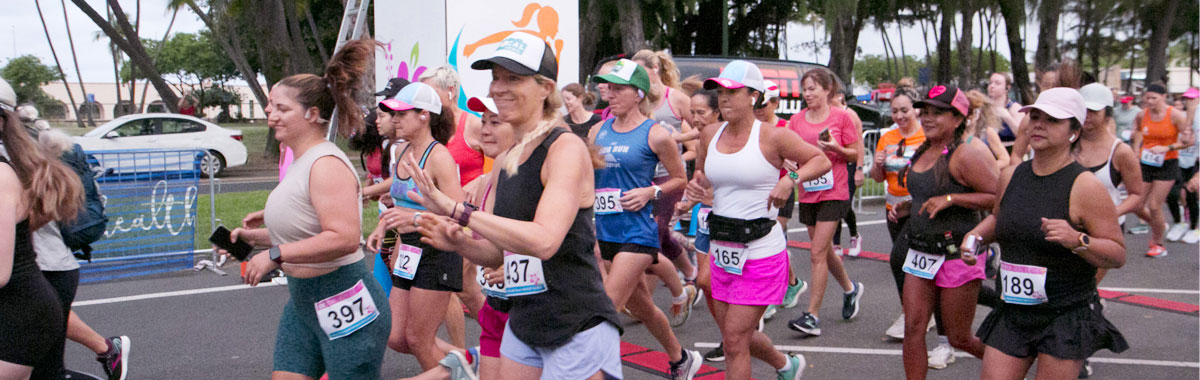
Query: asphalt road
(212, 329)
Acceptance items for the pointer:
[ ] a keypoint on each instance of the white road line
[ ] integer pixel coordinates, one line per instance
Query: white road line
(873, 222)
(167, 294)
(1152, 290)
(876, 351)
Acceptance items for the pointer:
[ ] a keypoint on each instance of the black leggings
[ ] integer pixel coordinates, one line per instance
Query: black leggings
(65, 283)
(1190, 197)
(851, 219)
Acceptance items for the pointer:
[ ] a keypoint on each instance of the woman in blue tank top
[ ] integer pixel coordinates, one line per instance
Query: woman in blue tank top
(632, 145)
(423, 276)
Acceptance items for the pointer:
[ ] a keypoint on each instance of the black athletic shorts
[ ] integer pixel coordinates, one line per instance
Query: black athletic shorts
(1071, 333)
(438, 270)
(1169, 171)
(789, 206)
(609, 250)
(825, 211)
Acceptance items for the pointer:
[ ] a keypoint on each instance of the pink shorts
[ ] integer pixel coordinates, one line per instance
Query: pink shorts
(956, 273)
(491, 330)
(763, 281)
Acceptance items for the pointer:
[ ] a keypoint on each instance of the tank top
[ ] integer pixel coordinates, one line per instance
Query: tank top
(923, 186)
(1160, 132)
(289, 214)
(629, 164)
(742, 182)
(469, 160)
(582, 129)
(1006, 132)
(574, 299)
(1111, 178)
(24, 262)
(666, 114)
(401, 186)
(1028, 198)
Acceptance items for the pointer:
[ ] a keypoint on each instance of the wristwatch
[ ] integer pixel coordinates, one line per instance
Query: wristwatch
(657, 192)
(465, 216)
(275, 255)
(794, 176)
(1084, 242)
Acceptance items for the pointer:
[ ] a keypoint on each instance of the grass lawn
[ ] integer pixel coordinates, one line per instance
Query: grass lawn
(232, 207)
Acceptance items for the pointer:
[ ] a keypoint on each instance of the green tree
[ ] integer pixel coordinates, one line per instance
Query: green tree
(27, 75)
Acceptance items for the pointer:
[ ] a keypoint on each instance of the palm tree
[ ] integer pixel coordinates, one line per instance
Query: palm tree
(57, 64)
(86, 103)
(116, 54)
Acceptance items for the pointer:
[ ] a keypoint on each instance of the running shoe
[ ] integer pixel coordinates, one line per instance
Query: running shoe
(941, 356)
(1176, 231)
(699, 296)
(838, 250)
(807, 324)
(797, 370)
(1140, 229)
(1086, 370)
(716, 354)
(473, 352)
(1192, 237)
(680, 312)
(686, 368)
(1156, 251)
(896, 331)
(116, 360)
(855, 246)
(770, 312)
(793, 294)
(456, 363)
(850, 301)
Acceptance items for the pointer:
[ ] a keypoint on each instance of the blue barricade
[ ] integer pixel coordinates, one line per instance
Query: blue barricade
(150, 200)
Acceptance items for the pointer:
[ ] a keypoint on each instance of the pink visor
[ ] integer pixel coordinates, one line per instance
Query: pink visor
(395, 105)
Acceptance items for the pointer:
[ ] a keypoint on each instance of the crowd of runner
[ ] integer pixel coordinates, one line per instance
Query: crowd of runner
(544, 226)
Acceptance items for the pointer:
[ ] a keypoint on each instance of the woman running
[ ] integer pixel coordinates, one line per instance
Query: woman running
(423, 276)
(982, 125)
(632, 146)
(749, 249)
(1160, 133)
(825, 200)
(336, 320)
(892, 155)
(578, 100)
(1055, 225)
(765, 112)
(854, 170)
(1187, 167)
(34, 190)
(1007, 110)
(950, 180)
(561, 324)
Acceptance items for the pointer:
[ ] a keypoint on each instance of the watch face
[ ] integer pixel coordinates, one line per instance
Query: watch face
(1087, 240)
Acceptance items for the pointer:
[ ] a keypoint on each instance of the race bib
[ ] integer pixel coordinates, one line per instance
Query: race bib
(1127, 134)
(729, 256)
(346, 312)
(407, 259)
(523, 275)
(1153, 159)
(608, 201)
(1023, 284)
(922, 264)
(824, 182)
(494, 291)
(702, 220)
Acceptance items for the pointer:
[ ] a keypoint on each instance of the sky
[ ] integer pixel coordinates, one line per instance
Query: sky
(23, 35)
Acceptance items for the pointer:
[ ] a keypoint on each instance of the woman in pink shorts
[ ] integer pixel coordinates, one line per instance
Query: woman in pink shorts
(950, 181)
(748, 250)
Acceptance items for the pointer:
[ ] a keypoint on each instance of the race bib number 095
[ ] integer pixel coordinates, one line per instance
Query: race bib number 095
(1023, 284)
(608, 201)
(346, 312)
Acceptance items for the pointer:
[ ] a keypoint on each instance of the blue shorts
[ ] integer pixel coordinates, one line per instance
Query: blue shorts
(589, 351)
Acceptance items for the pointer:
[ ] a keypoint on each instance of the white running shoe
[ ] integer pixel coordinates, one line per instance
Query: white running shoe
(1176, 231)
(1192, 237)
(941, 356)
(855, 246)
(897, 330)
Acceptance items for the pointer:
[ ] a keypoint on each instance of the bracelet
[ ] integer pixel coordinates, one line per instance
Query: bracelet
(453, 210)
(949, 199)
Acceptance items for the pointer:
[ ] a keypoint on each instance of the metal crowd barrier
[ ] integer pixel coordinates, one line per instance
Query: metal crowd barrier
(150, 198)
(870, 189)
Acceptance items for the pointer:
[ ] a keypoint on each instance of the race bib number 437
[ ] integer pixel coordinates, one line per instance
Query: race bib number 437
(346, 312)
(523, 275)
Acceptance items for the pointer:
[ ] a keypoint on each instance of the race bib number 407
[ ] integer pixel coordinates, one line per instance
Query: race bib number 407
(1023, 284)
(922, 264)
(346, 312)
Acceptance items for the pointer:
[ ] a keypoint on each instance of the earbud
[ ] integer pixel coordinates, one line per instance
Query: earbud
(1073, 138)
(641, 94)
(307, 113)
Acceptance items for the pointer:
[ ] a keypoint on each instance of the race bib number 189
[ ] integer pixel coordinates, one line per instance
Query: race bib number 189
(608, 201)
(346, 312)
(824, 182)
(523, 275)
(1023, 284)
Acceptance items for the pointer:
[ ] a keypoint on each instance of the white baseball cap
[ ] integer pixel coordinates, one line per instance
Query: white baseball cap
(738, 74)
(524, 54)
(772, 90)
(8, 97)
(414, 95)
(1060, 103)
(1096, 97)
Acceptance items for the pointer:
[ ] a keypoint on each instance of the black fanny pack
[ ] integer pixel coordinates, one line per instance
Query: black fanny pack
(945, 243)
(736, 230)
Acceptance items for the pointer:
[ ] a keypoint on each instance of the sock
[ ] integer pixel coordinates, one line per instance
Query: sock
(795, 281)
(943, 340)
(682, 297)
(692, 277)
(852, 289)
(112, 349)
(787, 366)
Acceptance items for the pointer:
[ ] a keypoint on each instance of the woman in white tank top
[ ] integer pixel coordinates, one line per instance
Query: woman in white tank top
(741, 163)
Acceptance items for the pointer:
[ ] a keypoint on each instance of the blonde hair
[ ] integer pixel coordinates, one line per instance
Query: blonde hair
(691, 84)
(668, 73)
(646, 105)
(52, 189)
(446, 78)
(54, 142)
(982, 114)
(548, 121)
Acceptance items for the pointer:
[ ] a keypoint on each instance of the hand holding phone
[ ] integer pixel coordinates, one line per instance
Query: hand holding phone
(825, 136)
(222, 238)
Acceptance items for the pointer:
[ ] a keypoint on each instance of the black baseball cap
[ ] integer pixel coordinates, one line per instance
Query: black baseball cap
(393, 87)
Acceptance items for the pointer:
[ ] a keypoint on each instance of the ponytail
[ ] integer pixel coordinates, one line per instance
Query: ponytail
(441, 125)
(338, 87)
(548, 121)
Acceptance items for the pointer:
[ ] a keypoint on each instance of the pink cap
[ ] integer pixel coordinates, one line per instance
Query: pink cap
(1192, 93)
(1060, 103)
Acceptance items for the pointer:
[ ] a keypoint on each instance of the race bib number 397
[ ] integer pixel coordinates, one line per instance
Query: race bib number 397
(608, 201)
(1023, 284)
(346, 312)
(824, 182)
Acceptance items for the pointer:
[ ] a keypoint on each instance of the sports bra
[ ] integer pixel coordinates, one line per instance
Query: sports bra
(401, 186)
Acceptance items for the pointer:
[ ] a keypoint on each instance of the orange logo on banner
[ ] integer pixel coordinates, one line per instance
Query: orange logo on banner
(547, 21)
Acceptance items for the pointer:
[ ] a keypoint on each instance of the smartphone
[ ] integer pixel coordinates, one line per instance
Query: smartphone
(239, 249)
(825, 136)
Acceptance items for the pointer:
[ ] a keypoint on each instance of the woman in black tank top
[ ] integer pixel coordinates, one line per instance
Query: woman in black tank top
(1056, 226)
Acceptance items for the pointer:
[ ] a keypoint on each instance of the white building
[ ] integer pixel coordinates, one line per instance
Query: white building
(105, 94)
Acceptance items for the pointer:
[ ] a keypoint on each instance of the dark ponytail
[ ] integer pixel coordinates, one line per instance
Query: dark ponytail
(441, 126)
(941, 169)
(342, 81)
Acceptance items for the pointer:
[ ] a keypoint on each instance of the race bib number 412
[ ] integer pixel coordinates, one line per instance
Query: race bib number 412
(1153, 159)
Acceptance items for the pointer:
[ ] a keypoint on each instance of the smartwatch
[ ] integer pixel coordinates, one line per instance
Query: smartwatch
(275, 255)
(657, 192)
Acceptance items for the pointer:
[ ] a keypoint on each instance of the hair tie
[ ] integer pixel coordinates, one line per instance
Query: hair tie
(945, 149)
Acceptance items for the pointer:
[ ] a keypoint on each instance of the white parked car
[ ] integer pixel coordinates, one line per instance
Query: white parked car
(165, 131)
